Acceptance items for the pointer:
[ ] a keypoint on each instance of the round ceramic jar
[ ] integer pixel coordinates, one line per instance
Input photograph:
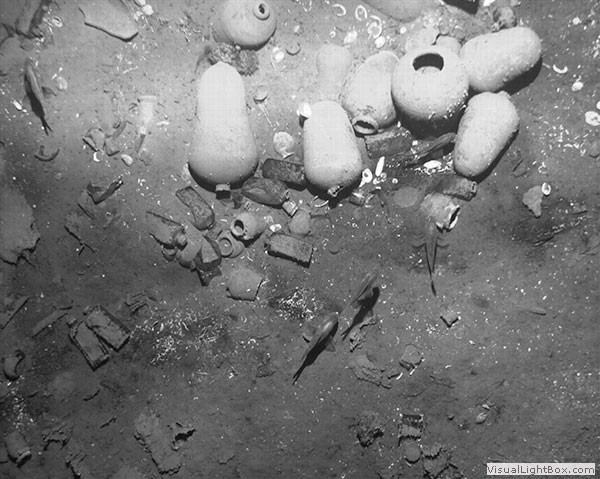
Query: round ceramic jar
(430, 87)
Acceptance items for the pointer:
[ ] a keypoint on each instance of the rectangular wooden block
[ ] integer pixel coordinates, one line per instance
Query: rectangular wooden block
(289, 247)
(90, 346)
(107, 327)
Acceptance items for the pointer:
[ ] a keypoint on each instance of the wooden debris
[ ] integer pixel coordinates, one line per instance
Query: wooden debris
(90, 346)
(107, 327)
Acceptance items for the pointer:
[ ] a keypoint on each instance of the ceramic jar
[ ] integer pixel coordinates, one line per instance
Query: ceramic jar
(224, 149)
(332, 160)
(247, 23)
(430, 87)
(495, 59)
(488, 125)
(333, 65)
(367, 95)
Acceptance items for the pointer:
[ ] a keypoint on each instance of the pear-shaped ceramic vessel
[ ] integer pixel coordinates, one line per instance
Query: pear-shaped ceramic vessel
(430, 87)
(333, 65)
(367, 95)
(495, 59)
(488, 125)
(224, 149)
(332, 159)
(247, 23)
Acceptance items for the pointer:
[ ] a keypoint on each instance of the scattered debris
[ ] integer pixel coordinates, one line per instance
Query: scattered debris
(180, 433)
(411, 358)
(33, 88)
(411, 425)
(202, 213)
(95, 138)
(435, 460)
(449, 317)
(110, 16)
(365, 370)
(107, 327)
(287, 246)
(533, 200)
(12, 304)
(170, 234)
(90, 346)
(18, 232)
(151, 434)
(11, 364)
(42, 155)
(243, 283)
(369, 427)
(48, 321)
(290, 172)
(17, 447)
(101, 193)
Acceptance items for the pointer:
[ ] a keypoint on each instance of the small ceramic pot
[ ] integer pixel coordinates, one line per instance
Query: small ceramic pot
(17, 447)
(488, 125)
(333, 65)
(248, 226)
(224, 149)
(430, 87)
(332, 160)
(230, 246)
(247, 23)
(367, 95)
(243, 283)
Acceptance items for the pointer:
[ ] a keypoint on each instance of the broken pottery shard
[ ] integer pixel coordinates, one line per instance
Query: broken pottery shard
(107, 327)
(203, 215)
(150, 433)
(100, 193)
(289, 247)
(18, 232)
(90, 346)
(110, 16)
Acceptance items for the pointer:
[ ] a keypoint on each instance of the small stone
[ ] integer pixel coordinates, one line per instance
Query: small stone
(449, 317)
(127, 159)
(593, 149)
(61, 83)
(147, 10)
(533, 200)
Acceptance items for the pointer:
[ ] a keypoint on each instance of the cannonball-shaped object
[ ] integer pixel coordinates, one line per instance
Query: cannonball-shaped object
(488, 125)
(495, 59)
(247, 23)
(430, 87)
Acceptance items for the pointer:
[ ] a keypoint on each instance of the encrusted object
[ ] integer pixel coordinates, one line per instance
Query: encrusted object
(365, 370)
(411, 425)
(369, 428)
(244, 61)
